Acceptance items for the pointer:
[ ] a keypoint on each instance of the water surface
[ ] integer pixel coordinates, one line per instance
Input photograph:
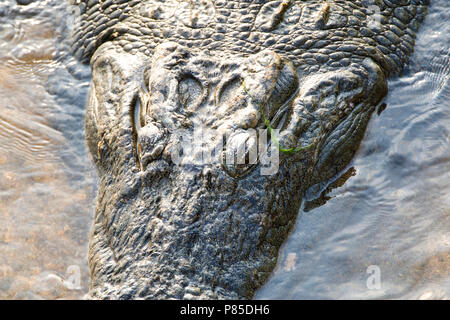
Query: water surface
(47, 183)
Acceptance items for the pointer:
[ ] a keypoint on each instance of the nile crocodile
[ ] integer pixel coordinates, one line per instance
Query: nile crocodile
(307, 74)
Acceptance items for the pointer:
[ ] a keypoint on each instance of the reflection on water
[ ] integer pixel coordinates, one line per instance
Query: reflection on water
(46, 180)
(386, 218)
(390, 221)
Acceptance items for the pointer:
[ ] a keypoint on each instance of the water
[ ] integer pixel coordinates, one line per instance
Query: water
(47, 182)
(389, 221)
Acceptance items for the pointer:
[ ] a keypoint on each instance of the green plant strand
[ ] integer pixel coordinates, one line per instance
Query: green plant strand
(272, 133)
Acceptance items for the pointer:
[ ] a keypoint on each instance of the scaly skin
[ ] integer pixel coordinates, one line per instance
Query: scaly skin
(315, 70)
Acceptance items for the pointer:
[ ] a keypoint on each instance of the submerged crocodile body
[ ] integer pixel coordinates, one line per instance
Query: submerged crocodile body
(169, 226)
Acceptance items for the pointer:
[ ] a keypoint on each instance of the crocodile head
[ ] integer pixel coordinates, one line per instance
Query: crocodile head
(204, 150)
(196, 195)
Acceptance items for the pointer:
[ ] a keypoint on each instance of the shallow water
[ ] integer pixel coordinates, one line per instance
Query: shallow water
(47, 182)
(391, 217)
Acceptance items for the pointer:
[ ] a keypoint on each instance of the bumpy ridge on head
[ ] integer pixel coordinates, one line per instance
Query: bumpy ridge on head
(311, 33)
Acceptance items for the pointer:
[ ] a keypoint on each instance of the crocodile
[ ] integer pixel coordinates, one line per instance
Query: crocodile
(287, 88)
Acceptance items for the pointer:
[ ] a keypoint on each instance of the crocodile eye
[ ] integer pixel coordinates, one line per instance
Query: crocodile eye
(190, 92)
(137, 113)
(228, 90)
(139, 108)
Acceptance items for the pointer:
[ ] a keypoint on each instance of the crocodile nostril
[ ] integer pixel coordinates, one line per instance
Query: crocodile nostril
(286, 86)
